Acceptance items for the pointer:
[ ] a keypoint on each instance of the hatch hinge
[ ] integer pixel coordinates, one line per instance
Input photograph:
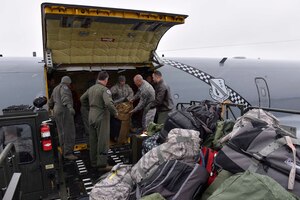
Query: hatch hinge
(157, 61)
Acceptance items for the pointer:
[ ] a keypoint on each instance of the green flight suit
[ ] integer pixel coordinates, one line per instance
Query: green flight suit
(63, 111)
(100, 104)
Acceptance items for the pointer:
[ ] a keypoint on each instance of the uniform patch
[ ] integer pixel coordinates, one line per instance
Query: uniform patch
(108, 92)
(65, 87)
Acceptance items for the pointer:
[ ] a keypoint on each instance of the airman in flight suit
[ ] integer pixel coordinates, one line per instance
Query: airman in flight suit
(62, 103)
(97, 99)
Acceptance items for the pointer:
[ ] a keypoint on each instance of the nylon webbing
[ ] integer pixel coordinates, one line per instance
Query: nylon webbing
(276, 145)
(141, 171)
(293, 169)
(183, 139)
(254, 166)
(138, 194)
(159, 155)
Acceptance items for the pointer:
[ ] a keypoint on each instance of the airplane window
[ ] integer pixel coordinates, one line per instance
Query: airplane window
(20, 136)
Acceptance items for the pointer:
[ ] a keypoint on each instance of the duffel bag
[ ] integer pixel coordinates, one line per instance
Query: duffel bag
(182, 144)
(252, 118)
(174, 180)
(117, 184)
(249, 185)
(178, 119)
(202, 117)
(266, 150)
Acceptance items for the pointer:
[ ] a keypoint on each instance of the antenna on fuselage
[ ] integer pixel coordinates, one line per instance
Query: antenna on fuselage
(222, 61)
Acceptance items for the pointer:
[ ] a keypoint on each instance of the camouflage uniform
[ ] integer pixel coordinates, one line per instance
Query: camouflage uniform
(118, 91)
(63, 111)
(99, 102)
(146, 94)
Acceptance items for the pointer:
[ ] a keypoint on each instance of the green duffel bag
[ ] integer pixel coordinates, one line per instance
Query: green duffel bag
(222, 176)
(222, 129)
(249, 185)
(154, 196)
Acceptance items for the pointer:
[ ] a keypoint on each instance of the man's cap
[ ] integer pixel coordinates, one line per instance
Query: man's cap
(121, 78)
(66, 80)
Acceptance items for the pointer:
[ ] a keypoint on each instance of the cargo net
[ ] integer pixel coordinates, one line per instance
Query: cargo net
(18, 109)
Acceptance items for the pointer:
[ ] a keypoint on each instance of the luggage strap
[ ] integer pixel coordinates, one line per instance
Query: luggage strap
(286, 140)
(198, 122)
(275, 145)
(183, 139)
(126, 179)
(292, 175)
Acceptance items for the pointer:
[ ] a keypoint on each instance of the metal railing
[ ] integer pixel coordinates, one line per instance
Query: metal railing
(227, 108)
(10, 176)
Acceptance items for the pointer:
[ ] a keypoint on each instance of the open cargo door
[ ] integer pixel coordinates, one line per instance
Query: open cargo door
(95, 36)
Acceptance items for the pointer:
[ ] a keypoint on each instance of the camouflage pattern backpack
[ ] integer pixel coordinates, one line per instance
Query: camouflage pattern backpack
(181, 144)
(116, 185)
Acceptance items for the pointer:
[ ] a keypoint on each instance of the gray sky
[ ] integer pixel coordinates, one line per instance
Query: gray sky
(214, 28)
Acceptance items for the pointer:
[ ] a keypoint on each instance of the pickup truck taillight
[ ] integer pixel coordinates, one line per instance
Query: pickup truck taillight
(46, 137)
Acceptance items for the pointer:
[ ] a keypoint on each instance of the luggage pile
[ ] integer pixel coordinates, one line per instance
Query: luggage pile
(197, 155)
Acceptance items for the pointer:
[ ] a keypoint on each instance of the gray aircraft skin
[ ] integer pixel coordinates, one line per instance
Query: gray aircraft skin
(282, 78)
(22, 80)
(195, 78)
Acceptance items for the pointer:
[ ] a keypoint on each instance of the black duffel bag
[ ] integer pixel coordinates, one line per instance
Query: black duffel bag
(202, 117)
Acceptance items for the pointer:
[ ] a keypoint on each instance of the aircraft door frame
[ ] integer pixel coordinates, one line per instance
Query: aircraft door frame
(263, 91)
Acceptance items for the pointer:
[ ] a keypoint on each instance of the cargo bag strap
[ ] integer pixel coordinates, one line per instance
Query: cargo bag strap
(202, 124)
(183, 139)
(293, 169)
(138, 194)
(198, 122)
(286, 140)
(159, 155)
(274, 146)
(254, 120)
(160, 159)
(124, 178)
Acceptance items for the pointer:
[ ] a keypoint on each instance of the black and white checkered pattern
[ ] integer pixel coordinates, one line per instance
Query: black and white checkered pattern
(234, 96)
(190, 70)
